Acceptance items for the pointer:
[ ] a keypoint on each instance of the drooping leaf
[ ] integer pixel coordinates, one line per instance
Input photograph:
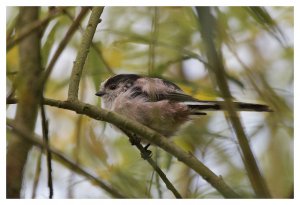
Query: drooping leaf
(262, 16)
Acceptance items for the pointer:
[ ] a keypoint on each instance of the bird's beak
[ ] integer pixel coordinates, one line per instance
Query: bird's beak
(100, 93)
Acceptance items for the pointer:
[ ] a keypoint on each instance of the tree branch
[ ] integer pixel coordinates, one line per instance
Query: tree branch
(24, 134)
(46, 144)
(83, 52)
(208, 29)
(126, 124)
(147, 134)
(154, 165)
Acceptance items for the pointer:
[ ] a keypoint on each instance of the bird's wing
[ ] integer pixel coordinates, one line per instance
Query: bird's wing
(175, 96)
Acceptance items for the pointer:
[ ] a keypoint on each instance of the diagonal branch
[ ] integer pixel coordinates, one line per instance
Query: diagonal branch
(83, 52)
(126, 124)
(24, 134)
(207, 29)
(154, 165)
(148, 134)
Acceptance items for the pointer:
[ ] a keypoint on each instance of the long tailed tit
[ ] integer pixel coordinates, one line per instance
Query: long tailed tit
(158, 103)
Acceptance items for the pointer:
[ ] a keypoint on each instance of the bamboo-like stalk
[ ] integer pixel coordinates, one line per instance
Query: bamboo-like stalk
(208, 30)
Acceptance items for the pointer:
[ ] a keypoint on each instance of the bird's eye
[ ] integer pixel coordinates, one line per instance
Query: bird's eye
(112, 87)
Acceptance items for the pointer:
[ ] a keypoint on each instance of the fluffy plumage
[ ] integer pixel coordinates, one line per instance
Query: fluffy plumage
(158, 103)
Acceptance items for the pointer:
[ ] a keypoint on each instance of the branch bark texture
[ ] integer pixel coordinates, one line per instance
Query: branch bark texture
(150, 135)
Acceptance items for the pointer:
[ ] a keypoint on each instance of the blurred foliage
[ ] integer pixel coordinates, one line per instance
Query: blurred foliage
(257, 46)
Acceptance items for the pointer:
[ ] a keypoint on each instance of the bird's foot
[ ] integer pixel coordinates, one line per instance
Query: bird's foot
(146, 154)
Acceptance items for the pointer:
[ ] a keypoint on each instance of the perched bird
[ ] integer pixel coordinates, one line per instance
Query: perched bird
(158, 103)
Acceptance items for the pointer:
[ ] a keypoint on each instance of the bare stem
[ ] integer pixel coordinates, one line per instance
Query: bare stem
(162, 175)
(48, 154)
(149, 135)
(83, 52)
(207, 29)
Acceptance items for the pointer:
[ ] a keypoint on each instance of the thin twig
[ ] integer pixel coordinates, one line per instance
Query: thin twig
(150, 184)
(158, 187)
(24, 134)
(127, 124)
(37, 175)
(207, 25)
(83, 52)
(154, 165)
(147, 134)
(46, 144)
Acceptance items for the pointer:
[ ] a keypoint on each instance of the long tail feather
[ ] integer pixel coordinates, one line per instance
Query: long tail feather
(219, 105)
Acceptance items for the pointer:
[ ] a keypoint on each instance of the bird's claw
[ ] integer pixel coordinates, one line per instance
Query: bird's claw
(146, 154)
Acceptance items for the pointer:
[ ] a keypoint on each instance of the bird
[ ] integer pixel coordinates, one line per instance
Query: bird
(158, 103)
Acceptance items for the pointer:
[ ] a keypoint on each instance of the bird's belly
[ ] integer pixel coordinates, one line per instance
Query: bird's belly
(162, 116)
